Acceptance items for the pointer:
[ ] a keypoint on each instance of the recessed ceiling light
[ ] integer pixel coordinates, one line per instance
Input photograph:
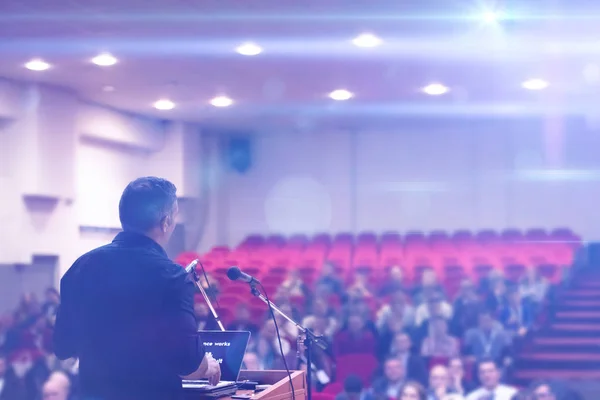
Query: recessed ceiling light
(535, 84)
(164, 104)
(37, 65)
(221, 101)
(490, 17)
(249, 49)
(435, 89)
(341, 95)
(367, 40)
(104, 60)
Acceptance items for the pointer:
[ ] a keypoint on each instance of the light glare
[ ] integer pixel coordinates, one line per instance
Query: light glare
(104, 60)
(164, 104)
(37, 65)
(249, 49)
(535, 84)
(367, 40)
(435, 89)
(221, 101)
(341, 95)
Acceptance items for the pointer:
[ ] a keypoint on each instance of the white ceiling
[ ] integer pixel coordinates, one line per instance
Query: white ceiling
(184, 50)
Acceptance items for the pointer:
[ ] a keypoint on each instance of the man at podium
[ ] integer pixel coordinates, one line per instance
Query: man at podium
(127, 310)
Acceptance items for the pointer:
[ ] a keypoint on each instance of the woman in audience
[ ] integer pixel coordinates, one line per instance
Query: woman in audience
(329, 282)
(434, 306)
(397, 309)
(360, 287)
(458, 381)
(439, 343)
(321, 309)
(412, 391)
(465, 309)
(438, 383)
(429, 285)
(496, 300)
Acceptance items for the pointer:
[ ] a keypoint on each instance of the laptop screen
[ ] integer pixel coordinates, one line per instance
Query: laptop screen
(228, 348)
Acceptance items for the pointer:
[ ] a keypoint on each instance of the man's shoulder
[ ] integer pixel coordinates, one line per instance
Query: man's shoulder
(507, 389)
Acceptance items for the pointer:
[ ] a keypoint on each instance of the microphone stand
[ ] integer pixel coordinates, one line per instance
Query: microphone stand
(310, 338)
(196, 279)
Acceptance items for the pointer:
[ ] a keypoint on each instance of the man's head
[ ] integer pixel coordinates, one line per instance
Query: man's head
(438, 377)
(394, 370)
(251, 361)
(434, 303)
(486, 321)
(149, 206)
(402, 342)
(57, 387)
(200, 310)
(242, 313)
(489, 374)
(52, 296)
(353, 387)
(514, 296)
(356, 323)
(542, 391)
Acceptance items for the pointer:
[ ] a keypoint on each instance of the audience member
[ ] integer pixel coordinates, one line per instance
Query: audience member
(389, 385)
(491, 388)
(397, 309)
(355, 338)
(439, 343)
(412, 391)
(329, 282)
(294, 285)
(466, 308)
(488, 340)
(11, 386)
(434, 305)
(360, 288)
(439, 383)
(250, 361)
(321, 310)
(496, 300)
(458, 381)
(533, 286)
(57, 387)
(517, 317)
(413, 364)
(393, 283)
(429, 285)
(353, 389)
(541, 390)
(204, 318)
(51, 304)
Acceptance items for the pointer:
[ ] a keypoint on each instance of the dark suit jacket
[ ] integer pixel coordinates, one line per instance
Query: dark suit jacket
(127, 313)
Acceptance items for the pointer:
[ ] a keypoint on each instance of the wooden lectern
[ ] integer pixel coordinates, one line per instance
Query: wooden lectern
(280, 384)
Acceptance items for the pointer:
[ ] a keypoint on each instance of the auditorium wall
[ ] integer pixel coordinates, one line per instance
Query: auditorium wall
(423, 176)
(64, 164)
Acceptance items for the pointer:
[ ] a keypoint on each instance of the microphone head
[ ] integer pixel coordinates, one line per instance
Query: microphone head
(233, 273)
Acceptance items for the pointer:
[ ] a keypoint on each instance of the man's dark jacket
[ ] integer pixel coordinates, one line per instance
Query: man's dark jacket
(127, 313)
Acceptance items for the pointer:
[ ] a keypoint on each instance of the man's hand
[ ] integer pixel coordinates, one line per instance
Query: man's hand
(213, 370)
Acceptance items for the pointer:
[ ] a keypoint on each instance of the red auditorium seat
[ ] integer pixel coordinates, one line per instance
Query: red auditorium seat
(361, 365)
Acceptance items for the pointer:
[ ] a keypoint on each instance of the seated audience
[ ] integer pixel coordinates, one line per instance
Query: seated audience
(321, 309)
(353, 389)
(439, 343)
(466, 308)
(393, 283)
(491, 388)
(361, 287)
(533, 287)
(413, 364)
(488, 340)
(329, 282)
(434, 305)
(355, 338)
(286, 328)
(517, 317)
(458, 381)
(250, 361)
(496, 300)
(389, 385)
(429, 285)
(439, 383)
(241, 320)
(294, 285)
(50, 306)
(386, 335)
(268, 350)
(542, 390)
(412, 391)
(397, 309)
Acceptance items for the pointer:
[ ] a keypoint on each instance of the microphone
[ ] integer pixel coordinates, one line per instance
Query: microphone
(235, 274)
(191, 266)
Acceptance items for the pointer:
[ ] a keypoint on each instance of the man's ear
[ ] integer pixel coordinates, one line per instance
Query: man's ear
(166, 223)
